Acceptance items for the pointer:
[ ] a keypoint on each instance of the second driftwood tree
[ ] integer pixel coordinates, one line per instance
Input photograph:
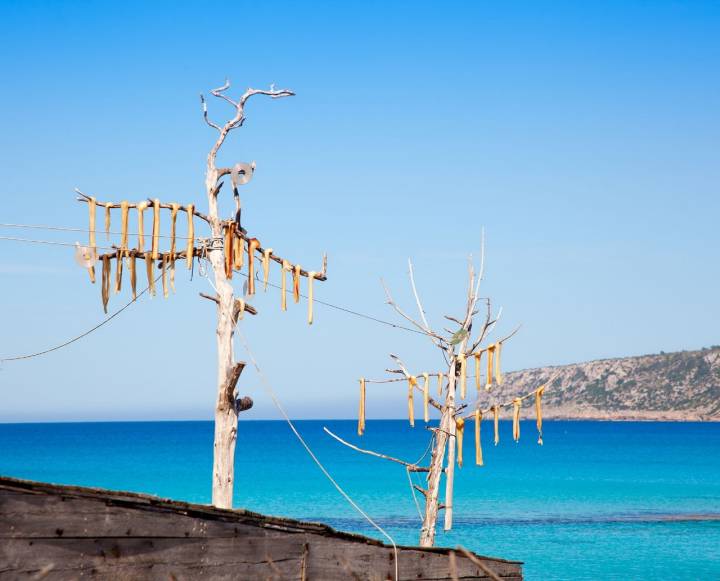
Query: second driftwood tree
(460, 348)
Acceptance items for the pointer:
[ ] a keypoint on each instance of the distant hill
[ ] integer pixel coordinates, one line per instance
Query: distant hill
(669, 386)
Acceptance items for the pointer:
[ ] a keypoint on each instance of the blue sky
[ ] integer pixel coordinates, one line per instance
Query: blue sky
(584, 138)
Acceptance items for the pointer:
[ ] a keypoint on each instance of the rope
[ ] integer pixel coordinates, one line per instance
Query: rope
(85, 334)
(269, 390)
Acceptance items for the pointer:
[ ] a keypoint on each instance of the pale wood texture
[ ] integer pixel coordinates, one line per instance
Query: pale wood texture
(64, 532)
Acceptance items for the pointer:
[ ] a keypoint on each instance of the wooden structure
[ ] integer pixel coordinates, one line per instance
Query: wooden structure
(53, 532)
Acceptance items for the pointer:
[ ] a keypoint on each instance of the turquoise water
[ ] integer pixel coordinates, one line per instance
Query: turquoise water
(598, 500)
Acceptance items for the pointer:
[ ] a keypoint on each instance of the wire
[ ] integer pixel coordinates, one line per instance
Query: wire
(69, 229)
(85, 334)
(50, 242)
(276, 401)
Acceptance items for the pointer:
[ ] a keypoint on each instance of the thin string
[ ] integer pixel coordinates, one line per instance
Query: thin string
(269, 390)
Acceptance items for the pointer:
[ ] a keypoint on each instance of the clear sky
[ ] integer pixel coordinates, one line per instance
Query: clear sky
(583, 137)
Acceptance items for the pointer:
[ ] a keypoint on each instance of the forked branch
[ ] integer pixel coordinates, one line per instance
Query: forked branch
(410, 466)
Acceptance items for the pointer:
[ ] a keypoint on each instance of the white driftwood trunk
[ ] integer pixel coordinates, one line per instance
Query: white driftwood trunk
(432, 497)
(225, 411)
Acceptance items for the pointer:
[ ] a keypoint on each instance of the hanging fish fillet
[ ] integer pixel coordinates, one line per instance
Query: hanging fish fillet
(311, 279)
(156, 230)
(173, 228)
(459, 431)
(141, 207)
(105, 281)
(440, 384)
(124, 214)
(118, 270)
(496, 424)
(478, 356)
(229, 246)
(172, 274)
(133, 275)
(538, 412)
(239, 252)
(412, 382)
(91, 209)
(253, 245)
(107, 219)
(149, 263)
(498, 373)
(92, 204)
(426, 397)
(361, 415)
(164, 265)
(190, 246)
(478, 445)
(266, 267)
(516, 418)
(296, 283)
(283, 284)
(489, 367)
(463, 374)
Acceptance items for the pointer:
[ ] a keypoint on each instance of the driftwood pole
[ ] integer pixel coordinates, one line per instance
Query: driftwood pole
(458, 347)
(226, 409)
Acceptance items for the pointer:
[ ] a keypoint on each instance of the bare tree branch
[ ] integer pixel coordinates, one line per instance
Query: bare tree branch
(408, 465)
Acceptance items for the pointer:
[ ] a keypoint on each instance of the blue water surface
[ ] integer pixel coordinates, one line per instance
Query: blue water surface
(599, 500)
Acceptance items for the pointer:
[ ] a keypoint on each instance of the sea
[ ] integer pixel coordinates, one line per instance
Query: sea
(599, 500)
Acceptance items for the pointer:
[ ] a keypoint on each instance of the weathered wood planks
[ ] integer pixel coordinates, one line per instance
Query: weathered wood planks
(66, 532)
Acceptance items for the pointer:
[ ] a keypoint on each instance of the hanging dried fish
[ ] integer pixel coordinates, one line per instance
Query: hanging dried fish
(105, 282)
(516, 418)
(361, 415)
(118, 270)
(149, 263)
(489, 367)
(124, 214)
(311, 279)
(174, 208)
(538, 412)
(441, 377)
(459, 431)
(91, 209)
(108, 205)
(412, 382)
(478, 445)
(426, 397)
(478, 356)
(238, 251)
(283, 284)
(229, 246)
(156, 230)
(141, 207)
(496, 423)
(92, 204)
(296, 283)
(266, 267)
(463, 374)
(498, 373)
(253, 245)
(172, 273)
(133, 275)
(190, 246)
(164, 264)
